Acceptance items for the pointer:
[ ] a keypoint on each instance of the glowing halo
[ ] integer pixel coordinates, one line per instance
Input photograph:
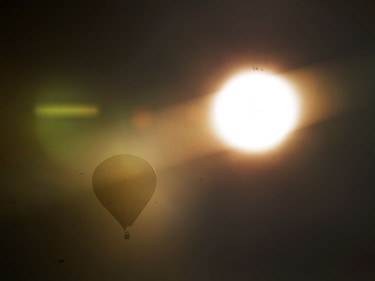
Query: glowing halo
(255, 111)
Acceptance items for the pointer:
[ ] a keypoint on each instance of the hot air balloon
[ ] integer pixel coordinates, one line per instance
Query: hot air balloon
(124, 184)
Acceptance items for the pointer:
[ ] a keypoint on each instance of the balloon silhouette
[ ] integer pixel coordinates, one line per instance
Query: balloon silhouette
(124, 184)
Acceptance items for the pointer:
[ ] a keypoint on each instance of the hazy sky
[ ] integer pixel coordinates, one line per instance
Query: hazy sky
(301, 212)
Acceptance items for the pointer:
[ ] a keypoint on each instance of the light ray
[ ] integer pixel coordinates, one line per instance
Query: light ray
(66, 110)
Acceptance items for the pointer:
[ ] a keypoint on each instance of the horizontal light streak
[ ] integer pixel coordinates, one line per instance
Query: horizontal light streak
(66, 110)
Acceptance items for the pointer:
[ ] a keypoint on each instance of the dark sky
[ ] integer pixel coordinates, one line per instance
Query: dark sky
(303, 212)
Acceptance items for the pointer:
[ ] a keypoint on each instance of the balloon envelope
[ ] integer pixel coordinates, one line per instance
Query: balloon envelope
(124, 184)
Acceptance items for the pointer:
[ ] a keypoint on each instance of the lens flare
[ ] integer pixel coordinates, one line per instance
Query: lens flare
(66, 110)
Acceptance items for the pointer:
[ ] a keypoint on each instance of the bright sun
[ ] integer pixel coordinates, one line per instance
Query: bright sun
(255, 111)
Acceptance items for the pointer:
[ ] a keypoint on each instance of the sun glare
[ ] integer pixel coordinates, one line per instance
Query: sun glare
(255, 111)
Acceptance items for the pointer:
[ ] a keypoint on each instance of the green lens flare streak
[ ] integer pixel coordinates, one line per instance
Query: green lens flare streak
(66, 110)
